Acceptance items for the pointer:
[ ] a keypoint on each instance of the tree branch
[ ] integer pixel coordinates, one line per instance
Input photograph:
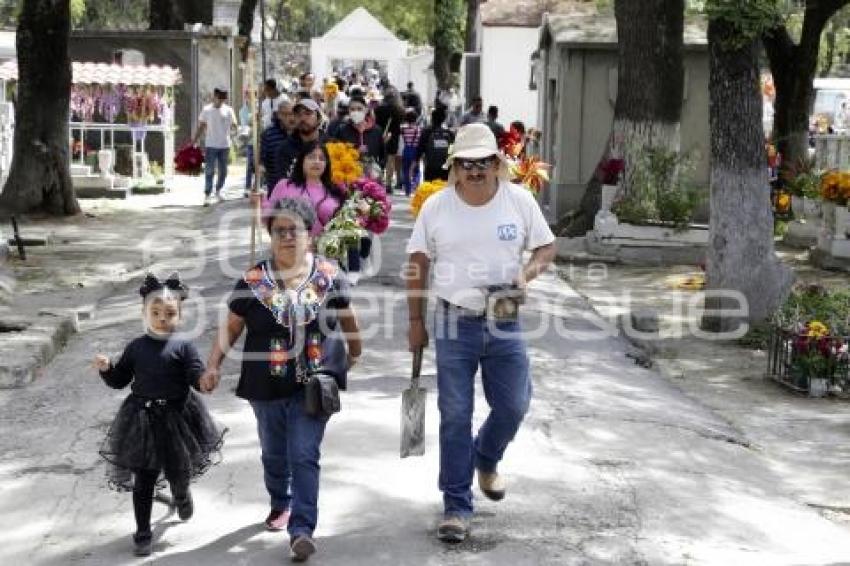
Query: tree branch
(818, 13)
(778, 45)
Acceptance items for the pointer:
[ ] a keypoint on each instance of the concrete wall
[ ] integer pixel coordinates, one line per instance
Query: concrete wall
(577, 106)
(505, 72)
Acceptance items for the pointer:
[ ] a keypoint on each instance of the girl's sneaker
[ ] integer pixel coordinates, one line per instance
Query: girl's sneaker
(185, 506)
(142, 543)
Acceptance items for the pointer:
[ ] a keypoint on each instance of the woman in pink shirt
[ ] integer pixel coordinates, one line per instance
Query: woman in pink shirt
(311, 180)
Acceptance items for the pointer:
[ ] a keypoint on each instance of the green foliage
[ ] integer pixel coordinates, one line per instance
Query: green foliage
(834, 42)
(750, 19)
(290, 20)
(780, 228)
(813, 302)
(299, 20)
(661, 189)
(449, 22)
(78, 11)
(757, 337)
(802, 179)
(109, 14)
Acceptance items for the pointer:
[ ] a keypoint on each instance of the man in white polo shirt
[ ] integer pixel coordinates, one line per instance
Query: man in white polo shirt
(471, 236)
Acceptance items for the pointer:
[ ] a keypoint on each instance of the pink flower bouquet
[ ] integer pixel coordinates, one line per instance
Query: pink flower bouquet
(368, 199)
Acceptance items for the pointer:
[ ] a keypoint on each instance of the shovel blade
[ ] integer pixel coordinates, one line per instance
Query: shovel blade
(413, 421)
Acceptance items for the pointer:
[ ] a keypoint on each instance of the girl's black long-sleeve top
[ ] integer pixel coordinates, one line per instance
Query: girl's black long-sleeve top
(157, 369)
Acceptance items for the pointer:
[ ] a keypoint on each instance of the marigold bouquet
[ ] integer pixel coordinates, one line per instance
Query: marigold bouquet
(835, 187)
(331, 90)
(423, 192)
(345, 163)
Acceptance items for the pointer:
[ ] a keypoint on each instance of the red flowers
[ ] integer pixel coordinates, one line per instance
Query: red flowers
(608, 171)
(511, 143)
(189, 160)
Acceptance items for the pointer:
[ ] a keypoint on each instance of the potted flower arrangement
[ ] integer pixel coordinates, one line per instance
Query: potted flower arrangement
(661, 190)
(835, 192)
(816, 355)
(803, 182)
(809, 345)
(608, 173)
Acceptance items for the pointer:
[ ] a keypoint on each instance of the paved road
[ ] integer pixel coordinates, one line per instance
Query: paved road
(613, 466)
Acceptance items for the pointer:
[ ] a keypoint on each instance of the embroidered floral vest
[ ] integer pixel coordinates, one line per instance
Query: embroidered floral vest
(291, 309)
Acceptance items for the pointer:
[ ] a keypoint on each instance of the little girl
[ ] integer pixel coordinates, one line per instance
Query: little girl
(162, 427)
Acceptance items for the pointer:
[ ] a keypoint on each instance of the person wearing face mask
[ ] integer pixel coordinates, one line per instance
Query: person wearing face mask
(360, 130)
(310, 118)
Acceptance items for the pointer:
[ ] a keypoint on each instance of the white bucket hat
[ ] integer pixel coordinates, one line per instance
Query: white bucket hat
(476, 141)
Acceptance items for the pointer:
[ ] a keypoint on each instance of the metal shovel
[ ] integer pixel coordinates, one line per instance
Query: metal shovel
(413, 413)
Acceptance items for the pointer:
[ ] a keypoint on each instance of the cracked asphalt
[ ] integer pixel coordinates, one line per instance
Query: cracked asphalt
(614, 465)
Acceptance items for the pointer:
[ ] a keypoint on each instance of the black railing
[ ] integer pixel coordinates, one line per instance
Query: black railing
(783, 365)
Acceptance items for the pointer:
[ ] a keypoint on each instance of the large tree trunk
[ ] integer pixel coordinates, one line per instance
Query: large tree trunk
(247, 9)
(447, 39)
(794, 67)
(175, 14)
(471, 42)
(741, 257)
(650, 87)
(39, 178)
(245, 25)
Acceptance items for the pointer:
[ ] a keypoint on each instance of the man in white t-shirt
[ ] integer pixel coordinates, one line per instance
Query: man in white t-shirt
(472, 236)
(216, 123)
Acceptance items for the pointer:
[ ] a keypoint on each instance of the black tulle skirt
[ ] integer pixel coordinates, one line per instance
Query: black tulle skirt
(179, 438)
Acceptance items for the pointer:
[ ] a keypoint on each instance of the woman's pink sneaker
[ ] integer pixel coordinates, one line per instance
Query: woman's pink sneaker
(277, 520)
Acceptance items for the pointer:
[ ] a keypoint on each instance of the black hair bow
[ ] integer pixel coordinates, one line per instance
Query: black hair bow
(173, 283)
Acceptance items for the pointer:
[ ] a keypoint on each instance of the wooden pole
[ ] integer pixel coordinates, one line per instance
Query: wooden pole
(255, 191)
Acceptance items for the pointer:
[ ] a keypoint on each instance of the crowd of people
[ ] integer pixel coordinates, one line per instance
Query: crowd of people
(401, 141)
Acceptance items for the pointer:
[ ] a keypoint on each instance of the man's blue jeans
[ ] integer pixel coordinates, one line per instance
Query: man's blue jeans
(215, 157)
(463, 344)
(290, 441)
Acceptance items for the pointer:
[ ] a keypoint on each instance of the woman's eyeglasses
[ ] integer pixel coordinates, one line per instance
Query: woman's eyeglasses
(470, 164)
(287, 232)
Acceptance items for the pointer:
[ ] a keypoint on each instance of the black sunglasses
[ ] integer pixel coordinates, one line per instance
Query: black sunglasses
(481, 164)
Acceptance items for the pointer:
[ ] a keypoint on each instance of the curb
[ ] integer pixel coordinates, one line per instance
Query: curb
(31, 343)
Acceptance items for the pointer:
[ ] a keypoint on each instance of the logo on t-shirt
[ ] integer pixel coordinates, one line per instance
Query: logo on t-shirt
(507, 232)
